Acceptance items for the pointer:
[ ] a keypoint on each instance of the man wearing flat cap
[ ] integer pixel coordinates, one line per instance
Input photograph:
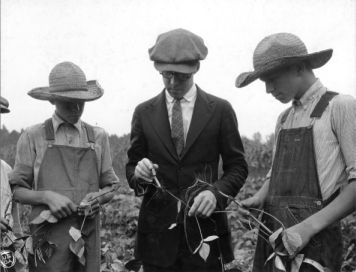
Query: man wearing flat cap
(60, 166)
(314, 156)
(177, 137)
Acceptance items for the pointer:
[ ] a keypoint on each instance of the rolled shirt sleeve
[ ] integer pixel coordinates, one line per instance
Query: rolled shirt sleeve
(23, 173)
(107, 175)
(344, 126)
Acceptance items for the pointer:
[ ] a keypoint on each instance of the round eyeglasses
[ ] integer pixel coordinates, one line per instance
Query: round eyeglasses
(178, 76)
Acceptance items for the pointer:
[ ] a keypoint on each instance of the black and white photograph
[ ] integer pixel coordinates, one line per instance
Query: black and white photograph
(178, 136)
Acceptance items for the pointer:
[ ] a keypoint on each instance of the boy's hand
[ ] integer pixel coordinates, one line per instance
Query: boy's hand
(90, 205)
(60, 205)
(252, 202)
(302, 231)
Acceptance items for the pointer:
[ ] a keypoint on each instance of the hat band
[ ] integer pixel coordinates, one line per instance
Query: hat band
(68, 88)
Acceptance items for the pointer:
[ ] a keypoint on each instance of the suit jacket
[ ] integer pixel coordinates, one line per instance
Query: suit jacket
(213, 133)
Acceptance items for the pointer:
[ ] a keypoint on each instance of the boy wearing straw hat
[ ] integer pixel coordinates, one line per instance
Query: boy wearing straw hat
(9, 213)
(179, 135)
(5, 213)
(61, 163)
(314, 152)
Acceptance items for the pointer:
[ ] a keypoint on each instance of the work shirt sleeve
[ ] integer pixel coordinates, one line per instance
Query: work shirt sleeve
(107, 175)
(344, 126)
(23, 175)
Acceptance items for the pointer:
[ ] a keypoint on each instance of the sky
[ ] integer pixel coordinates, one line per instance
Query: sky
(109, 40)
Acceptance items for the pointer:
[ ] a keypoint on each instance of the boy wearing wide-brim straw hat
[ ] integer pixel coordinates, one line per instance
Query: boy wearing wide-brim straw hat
(60, 164)
(314, 155)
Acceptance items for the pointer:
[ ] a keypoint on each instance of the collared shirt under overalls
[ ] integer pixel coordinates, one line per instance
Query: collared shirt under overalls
(294, 194)
(72, 172)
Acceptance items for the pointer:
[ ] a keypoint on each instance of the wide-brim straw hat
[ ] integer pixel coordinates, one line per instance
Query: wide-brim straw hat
(4, 105)
(281, 50)
(68, 82)
(178, 50)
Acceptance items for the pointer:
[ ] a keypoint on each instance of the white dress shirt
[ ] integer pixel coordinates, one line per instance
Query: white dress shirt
(187, 103)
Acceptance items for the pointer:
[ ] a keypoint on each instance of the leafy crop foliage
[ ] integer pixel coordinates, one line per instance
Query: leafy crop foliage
(119, 217)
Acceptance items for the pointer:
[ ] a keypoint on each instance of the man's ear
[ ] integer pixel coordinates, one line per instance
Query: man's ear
(198, 67)
(301, 68)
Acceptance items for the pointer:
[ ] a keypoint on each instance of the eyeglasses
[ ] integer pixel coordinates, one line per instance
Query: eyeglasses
(178, 76)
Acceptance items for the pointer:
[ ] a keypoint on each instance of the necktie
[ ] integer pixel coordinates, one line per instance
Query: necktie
(177, 131)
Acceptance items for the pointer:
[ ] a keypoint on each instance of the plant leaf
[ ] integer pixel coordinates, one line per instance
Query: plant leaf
(172, 226)
(297, 263)
(211, 238)
(20, 258)
(315, 264)
(179, 206)
(270, 257)
(204, 251)
(292, 242)
(279, 264)
(29, 245)
(45, 215)
(272, 239)
(77, 247)
(75, 233)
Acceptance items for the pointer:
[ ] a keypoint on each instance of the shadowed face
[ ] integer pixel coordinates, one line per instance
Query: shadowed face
(69, 111)
(177, 84)
(283, 84)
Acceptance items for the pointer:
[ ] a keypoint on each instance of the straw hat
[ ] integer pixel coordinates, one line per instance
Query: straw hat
(4, 105)
(280, 50)
(68, 82)
(178, 50)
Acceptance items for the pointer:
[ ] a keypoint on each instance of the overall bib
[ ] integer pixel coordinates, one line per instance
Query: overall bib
(294, 194)
(72, 172)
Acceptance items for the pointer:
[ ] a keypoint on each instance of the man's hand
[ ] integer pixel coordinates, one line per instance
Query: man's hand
(4, 224)
(90, 205)
(204, 204)
(60, 205)
(144, 168)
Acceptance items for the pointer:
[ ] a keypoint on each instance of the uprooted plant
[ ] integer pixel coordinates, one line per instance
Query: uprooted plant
(284, 252)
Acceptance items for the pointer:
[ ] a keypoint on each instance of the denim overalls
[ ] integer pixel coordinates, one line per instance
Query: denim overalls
(294, 194)
(73, 172)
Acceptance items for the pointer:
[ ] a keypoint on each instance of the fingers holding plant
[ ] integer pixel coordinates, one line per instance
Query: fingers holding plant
(144, 171)
(204, 204)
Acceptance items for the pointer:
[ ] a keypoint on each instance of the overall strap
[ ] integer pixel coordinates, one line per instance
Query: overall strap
(90, 133)
(49, 130)
(322, 104)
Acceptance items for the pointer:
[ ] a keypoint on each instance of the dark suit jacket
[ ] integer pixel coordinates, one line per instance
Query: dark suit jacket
(213, 133)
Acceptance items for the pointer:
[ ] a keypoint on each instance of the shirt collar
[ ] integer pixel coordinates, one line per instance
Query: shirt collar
(57, 121)
(189, 96)
(314, 91)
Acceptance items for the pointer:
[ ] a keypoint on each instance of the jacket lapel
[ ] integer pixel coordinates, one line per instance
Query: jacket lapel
(203, 110)
(160, 123)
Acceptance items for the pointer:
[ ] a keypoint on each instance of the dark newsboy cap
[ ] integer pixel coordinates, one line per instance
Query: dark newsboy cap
(178, 50)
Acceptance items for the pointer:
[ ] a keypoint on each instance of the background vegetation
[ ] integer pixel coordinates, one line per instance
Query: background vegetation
(119, 217)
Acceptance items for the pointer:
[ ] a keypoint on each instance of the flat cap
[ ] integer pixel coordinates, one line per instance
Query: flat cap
(178, 50)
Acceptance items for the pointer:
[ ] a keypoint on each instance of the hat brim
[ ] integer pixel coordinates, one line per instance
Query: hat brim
(185, 68)
(316, 60)
(94, 92)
